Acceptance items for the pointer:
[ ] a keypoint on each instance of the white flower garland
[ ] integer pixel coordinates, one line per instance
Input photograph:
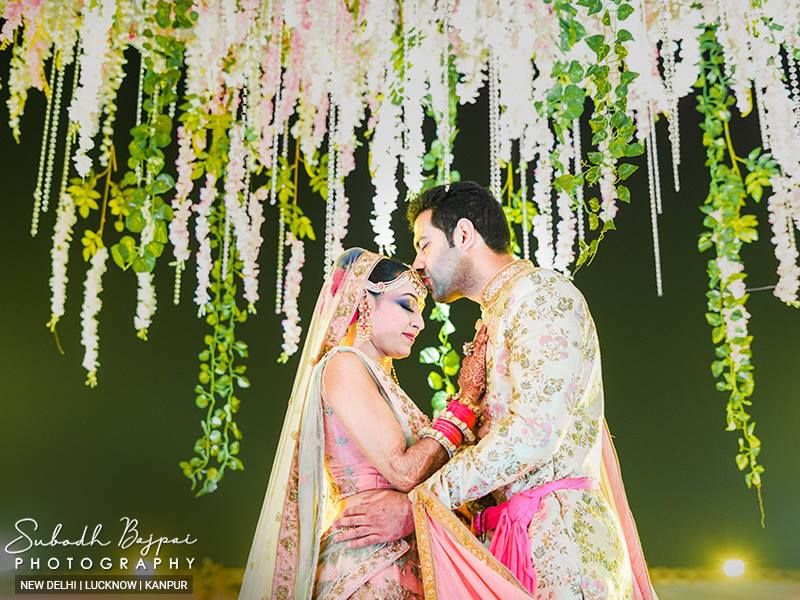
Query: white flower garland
(86, 106)
(66, 218)
(202, 230)
(181, 206)
(92, 287)
(785, 199)
(386, 147)
(146, 304)
(294, 276)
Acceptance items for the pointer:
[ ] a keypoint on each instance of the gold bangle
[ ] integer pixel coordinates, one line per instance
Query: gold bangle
(448, 446)
(467, 401)
(469, 436)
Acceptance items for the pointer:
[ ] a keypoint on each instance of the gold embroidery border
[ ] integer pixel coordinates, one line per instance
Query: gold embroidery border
(348, 583)
(492, 291)
(424, 501)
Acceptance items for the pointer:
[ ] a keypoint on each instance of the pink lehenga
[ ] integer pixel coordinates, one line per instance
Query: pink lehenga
(318, 469)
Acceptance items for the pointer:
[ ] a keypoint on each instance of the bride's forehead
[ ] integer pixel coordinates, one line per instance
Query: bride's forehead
(408, 290)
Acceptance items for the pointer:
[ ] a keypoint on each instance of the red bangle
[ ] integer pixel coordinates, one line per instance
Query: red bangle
(463, 412)
(450, 431)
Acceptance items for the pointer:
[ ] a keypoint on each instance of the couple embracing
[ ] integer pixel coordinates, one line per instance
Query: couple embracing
(512, 492)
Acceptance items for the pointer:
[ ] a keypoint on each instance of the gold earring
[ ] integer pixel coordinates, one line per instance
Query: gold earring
(364, 323)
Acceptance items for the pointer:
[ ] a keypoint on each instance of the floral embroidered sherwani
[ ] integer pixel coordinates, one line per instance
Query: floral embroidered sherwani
(545, 399)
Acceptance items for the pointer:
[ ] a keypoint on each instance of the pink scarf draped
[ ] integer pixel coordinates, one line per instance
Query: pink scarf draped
(510, 521)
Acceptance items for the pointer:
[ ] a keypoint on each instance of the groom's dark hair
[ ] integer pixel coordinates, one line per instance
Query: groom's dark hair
(463, 200)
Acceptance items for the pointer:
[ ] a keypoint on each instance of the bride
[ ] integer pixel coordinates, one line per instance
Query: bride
(351, 431)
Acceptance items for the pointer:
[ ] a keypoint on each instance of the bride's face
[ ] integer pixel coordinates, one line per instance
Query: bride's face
(396, 320)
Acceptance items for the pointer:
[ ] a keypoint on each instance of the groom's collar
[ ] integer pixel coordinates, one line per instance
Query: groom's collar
(498, 281)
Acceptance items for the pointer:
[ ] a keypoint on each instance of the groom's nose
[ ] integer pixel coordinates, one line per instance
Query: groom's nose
(419, 264)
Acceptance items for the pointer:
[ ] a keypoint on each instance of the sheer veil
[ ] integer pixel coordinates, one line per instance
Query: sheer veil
(285, 548)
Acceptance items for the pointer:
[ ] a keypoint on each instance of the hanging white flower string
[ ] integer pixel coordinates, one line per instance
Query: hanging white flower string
(331, 195)
(794, 84)
(523, 195)
(226, 242)
(780, 206)
(181, 208)
(291, 324)
(386, 147)
(37, 194)
(494, 129)
(139, 97)
(85, 107)
(92, 287)
(542, 222)
(444, 109)
(341, 215)
(653, 155)
(145, 303)
(275, 160)
(55, 119)
(762, 119)
(565, 228)
(254, 209)
(66, 218)
(145, 290)
(71, 134)
(281, 229)
(652, 173)
(576, 168)
(421, 62)
(202, 229)
(668, 48)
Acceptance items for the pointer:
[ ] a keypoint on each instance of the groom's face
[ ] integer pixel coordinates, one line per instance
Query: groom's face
(443, 267)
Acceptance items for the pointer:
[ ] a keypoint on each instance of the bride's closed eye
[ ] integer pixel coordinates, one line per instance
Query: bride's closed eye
(407, 305)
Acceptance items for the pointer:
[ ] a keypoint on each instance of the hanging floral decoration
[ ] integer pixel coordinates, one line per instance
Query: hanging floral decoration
(255, 93)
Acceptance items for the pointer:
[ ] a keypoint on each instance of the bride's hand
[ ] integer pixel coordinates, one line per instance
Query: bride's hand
(472, 377)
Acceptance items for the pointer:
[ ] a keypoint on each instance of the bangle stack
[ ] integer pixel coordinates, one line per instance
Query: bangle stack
(453, 427)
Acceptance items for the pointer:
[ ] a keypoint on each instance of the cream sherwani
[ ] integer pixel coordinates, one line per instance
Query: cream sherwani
(545, 400)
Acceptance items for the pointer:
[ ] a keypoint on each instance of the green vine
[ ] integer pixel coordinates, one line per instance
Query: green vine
(727, 230)
(216, 450)
(442, 356)
(612, 129)
(145, 182)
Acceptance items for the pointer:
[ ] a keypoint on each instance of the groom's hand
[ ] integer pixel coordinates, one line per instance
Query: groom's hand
(382, 517)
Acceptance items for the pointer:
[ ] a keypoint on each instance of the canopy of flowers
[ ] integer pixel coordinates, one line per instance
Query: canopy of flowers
(250, 91)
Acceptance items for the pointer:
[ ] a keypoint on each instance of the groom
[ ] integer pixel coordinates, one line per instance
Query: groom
(543, 434)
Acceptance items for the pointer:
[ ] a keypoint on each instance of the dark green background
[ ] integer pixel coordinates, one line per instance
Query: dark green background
(79, 456)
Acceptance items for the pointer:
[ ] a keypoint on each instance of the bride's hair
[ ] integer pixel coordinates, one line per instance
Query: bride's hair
(387, 269)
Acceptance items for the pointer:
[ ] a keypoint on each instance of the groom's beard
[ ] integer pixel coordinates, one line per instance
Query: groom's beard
(452, 278)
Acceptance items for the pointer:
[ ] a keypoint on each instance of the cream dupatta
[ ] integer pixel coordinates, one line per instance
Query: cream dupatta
(285, 549)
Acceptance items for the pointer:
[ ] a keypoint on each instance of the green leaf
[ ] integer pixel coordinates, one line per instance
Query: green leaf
(429, 356)
(623, 193)
(566, 182)
(625, 170)
(623, 35)
(435, 380)
(163, 183)
(447, 328)
(635, 149)
(451, 363)
(595, 41)
(624, 11)
(575, 71)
